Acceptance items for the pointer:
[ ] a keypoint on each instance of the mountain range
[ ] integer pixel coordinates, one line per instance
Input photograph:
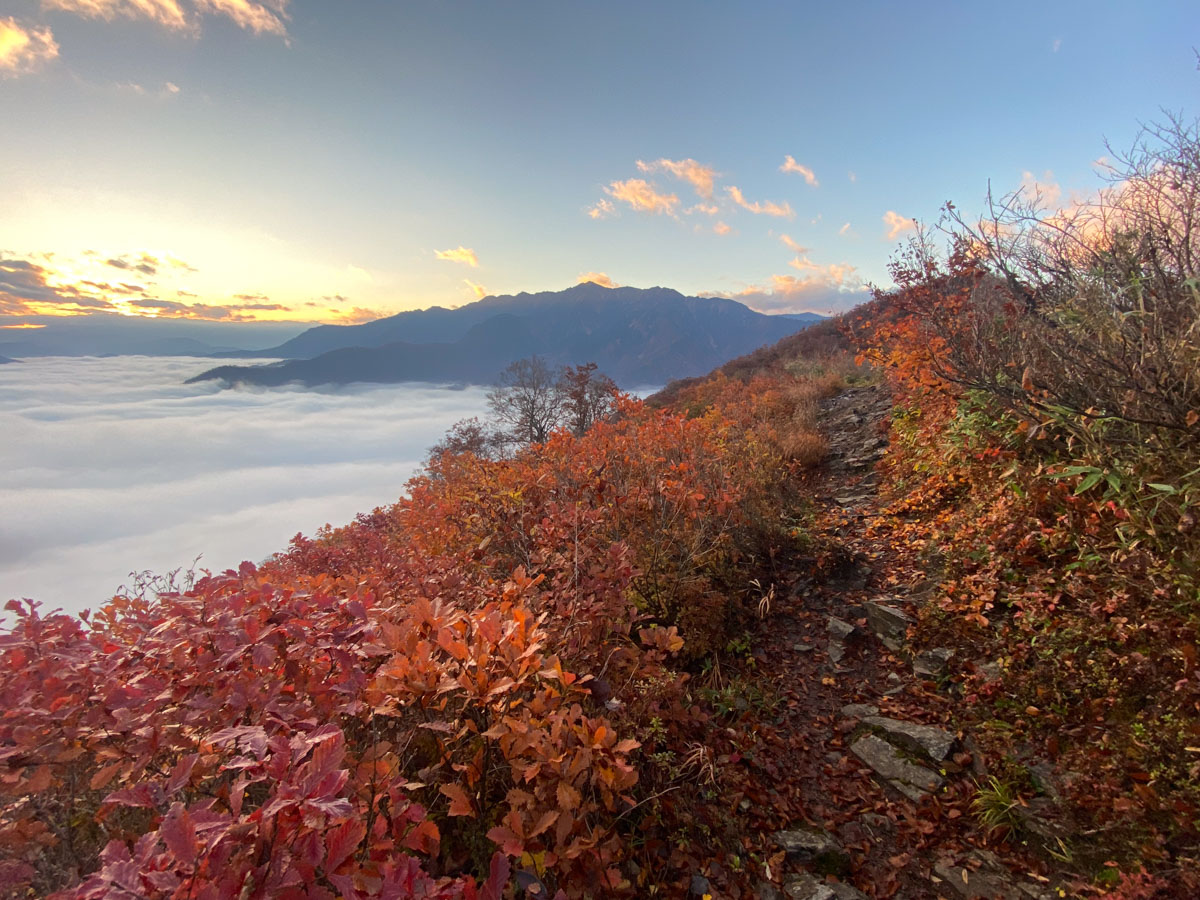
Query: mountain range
(638, 337)
(110, 334)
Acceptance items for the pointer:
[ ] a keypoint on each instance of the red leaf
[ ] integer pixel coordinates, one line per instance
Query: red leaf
(178, 832)
(493, 888)
(341, 841)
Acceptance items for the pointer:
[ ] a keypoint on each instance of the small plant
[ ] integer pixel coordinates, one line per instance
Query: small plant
(996, 805)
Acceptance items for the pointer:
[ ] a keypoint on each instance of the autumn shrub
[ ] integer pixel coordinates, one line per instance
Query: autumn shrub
(1043, 462)
(435, 697)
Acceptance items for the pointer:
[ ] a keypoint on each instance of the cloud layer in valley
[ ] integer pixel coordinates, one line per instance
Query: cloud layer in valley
(142, 472)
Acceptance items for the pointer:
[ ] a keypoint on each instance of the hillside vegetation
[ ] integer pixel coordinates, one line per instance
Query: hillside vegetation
(545, 675)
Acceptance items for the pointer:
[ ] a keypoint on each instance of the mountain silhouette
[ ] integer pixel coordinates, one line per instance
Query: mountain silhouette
(636, 336)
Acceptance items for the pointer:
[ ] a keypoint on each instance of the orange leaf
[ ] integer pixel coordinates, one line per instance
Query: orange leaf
(460, 803)
(568, 797)
(104, 776)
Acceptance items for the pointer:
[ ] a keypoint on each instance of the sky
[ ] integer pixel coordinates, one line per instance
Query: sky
(145, 473)
(306, 160)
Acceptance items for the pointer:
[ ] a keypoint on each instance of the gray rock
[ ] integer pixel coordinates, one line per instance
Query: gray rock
(986, 877)
(699, 886)
(1045, 780)
(889, 624)
(836, 650)
(802, 648)
(847, 892)
(990, 670)
(819, 850)
(908, 778)
(804, 887)
(974, 885)
(932, 663)
(840, 630)
(859, 710)
(768, 891)
(935, 743)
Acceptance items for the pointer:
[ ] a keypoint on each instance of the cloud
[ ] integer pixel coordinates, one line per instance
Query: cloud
(230, 474)
(477, 289)
(721, 228)
(790, 165)
(599, 278)
(461, 254)
(167, 13)
(824, 289)
(30, 289)
(26, 289)
(699, 176)
(173, 309)
(640, 195)
(356, 315)
(791, 245)
(766, 208)
(1043, 193)
(708, 209)
(24, 48)
(602, 210)
(839, 275)
(844, 230)
(1056, 45)
(897, 224)
(269, 17)
(853, 178)
(145, 263)
(266, 17)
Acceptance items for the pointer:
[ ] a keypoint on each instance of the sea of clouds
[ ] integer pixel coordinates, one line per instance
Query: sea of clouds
(110, 466)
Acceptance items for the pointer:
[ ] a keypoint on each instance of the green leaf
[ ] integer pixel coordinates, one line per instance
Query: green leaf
(1088, 483)
(1165, 488)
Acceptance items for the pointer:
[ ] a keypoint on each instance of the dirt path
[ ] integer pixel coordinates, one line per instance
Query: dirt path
(840, 765)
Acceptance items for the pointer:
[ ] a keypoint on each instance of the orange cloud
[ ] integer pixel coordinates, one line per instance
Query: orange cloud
(766, 208)
(834, 274)
(167, 13)
(827, 289)
(24, 50)
(262, 17)
(792, 245)
(897, 224)
(599, 278)
(642, 196)
(460, 254)
(699, 176)
(844, 230)
(721, 228)
(269, 17)
(790, 165)
(602, 210)
(358, 314)
(478, 289)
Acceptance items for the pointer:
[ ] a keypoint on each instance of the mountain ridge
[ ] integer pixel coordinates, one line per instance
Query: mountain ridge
(638, 336)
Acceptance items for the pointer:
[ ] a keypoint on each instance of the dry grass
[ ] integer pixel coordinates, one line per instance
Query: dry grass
(803, 447)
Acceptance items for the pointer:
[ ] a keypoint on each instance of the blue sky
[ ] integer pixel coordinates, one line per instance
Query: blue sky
(235, 159)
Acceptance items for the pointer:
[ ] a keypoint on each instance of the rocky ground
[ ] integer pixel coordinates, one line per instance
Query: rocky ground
(866, 784)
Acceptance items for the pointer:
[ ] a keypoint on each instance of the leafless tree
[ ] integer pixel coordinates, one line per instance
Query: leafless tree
(526, 402)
